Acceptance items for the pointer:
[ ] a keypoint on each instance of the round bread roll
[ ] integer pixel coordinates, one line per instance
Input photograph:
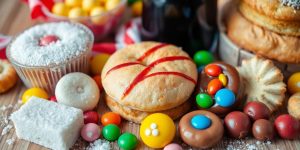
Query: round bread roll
(149, 76)
(8, 76)
(77, 90)
(261, 41)
(294, 105)
(138, 116)
(275, 9)
(291, 28)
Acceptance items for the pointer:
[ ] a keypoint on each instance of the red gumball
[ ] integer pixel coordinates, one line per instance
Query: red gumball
(287, 126)
(53, 99)
(46, 40)
(91, 117)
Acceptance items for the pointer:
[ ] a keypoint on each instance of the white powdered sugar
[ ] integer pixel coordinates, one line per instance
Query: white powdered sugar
(73, 40)
(99, 145)
(11, 141)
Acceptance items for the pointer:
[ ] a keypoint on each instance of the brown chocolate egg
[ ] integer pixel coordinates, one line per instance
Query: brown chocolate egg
(230, 79)
(263, 129)
(257, 110)
(287, 126)
(238, 124)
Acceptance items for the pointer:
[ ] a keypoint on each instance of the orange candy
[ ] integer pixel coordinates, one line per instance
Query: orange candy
(97, 79)
(213, 70)
(111, 118)
(214, 86)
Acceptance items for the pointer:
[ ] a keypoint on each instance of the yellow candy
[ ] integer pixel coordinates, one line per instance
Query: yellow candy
(222, 77)
(157, 130)
(137, 8)
(87, 5)
(37, 92)
(96, 15)
(76, 12)
(294, 83)
(60, 9)
(98, 62)
(73, 3)
(111, 4)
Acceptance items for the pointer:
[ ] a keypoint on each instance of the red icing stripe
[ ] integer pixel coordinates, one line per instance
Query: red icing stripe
(152, 50)
(141, 76)
(172, 73)
(122, 66)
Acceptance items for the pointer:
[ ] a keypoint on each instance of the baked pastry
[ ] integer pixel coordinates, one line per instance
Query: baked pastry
(138, 116)
(263, 82)
(201, 129)
(285, 49)
(210, 85)
(287, 27)
(294, 106)
(149, 76)
(8, 76)
(44, 53)
(276, 9)
(77, 90)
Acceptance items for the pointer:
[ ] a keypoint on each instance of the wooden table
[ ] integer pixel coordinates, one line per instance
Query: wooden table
(14, 19)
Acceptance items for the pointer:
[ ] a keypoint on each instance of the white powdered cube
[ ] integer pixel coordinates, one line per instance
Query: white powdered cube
(48, 123)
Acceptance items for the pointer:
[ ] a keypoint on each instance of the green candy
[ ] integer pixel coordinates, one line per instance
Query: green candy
(127, 141)
(203, 58)
(204, 100)
(111, 132)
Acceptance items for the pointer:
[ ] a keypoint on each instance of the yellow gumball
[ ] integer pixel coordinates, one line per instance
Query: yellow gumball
(87, 5)
(111, 4)
(98, 62)
(76, 12)
(294, 83)
(73, 3)
(96, 13)
(37, 92)
(137, 8)
(60, 9)
(157, 130)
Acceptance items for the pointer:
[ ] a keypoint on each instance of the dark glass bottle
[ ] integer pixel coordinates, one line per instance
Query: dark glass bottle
(187, 23)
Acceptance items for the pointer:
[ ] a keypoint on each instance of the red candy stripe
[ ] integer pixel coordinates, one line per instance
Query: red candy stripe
(152, 50)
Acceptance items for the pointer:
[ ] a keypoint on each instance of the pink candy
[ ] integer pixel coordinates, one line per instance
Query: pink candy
(90, 132)
(46, 40)
(173, 146)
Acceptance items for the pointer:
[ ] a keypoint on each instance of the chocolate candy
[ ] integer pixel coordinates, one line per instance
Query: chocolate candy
(225, 98)
(203, 58)
(200, 122)
(90, 132)
(287, 126)
(127, 141)
(214, 86)
(263, 129)
(237, 124)
(213, 70)
(46, 40)
(111, 118)
(204, 138)
(90, 117)
(257, 110)
(230, 80)
(204, 100)
(111, 132)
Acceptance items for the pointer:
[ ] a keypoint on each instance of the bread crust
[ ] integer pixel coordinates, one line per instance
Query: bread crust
(283, 48)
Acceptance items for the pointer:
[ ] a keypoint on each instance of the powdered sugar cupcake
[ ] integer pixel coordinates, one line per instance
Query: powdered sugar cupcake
(44, 53)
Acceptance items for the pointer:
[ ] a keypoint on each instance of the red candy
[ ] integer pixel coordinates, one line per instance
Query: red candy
(46, 40)
(214, 86)
(91, 117)
(257, 110)
(287, 126)
(213, 70)
(53, 99)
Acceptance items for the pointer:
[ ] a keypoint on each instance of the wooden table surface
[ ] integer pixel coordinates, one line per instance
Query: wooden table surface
(14, 18)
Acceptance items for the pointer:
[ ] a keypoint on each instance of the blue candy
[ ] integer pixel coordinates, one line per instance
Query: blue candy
(225, 97)
(200, 122)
